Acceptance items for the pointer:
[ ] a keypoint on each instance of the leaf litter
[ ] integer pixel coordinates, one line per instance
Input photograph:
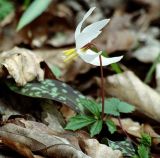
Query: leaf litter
(33, 121)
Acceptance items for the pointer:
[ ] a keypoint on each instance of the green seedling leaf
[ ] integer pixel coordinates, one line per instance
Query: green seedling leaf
(146, 140)
(125, 147)
(96, 128)
(56, 71)
(114, 106)
(79, 121)
(51, 89)
(91, 105)
(6, 7)
(124, 107)
(110, 107)
(36, 8)
(111, 126)
(143, 152)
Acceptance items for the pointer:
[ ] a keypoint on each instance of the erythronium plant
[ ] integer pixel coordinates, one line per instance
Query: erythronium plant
(83, 37)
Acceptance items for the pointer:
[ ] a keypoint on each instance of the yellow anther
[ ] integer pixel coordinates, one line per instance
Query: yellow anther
(69, 51)
(71, 57)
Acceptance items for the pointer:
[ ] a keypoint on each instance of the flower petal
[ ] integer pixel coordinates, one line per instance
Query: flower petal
(96, 26)
(89, 33)
(85, 38)
(92, 57)
(78, 29)
(106, 61)
(88, 55)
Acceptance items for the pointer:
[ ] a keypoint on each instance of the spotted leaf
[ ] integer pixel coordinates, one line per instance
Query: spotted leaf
(51, 89)
(125, 146)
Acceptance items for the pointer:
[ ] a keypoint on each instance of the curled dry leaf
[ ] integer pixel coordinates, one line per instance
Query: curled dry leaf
(135, 129)
(131, 127)
(52, 117)
(40, 138)
(119, 34)
(128, 87)
(20, 148)
(96, 150)
(22, 64)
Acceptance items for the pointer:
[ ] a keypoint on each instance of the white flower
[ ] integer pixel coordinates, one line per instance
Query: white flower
(82, 38)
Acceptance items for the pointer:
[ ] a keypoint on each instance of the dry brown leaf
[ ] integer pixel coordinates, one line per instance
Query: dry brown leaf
(128, 87)
(136, 129)
(20, 148)
(96, 150)
(118, 35)
(131, 127)
(52, 117)
(40, 138)
(22, 64)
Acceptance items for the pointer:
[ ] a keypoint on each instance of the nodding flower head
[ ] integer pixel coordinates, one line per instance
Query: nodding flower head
(84, 37)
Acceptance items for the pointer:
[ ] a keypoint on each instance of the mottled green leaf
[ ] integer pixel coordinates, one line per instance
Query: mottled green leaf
(96, 128)
(91, 105)
(79, 121)
(125, 147)
(36, 8)
(111, 126)
(51, 89)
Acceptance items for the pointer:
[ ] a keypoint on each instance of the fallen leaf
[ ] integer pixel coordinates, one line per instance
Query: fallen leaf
(21, 64)
(96, 150)
(131, 127)
(20, 148)
(52, 117)
(41, 139)
(128, 87)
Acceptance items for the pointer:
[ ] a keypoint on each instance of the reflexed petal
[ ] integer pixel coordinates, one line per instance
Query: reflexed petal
(105, 61)
(88, 55)
(90, 33)
(96, 26)
(85, 38)
(92, 57)
(78, 29)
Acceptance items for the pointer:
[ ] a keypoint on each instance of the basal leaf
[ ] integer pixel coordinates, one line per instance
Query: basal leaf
(125, 147)
(36, 8)
(111, 126)
(96, 128)
(91, 105)
(79, 121)
(51, 89)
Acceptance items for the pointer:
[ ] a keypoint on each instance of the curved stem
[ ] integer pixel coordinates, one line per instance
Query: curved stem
(102, 86)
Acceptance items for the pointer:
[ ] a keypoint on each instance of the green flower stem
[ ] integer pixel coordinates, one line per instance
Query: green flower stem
(102, 86)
